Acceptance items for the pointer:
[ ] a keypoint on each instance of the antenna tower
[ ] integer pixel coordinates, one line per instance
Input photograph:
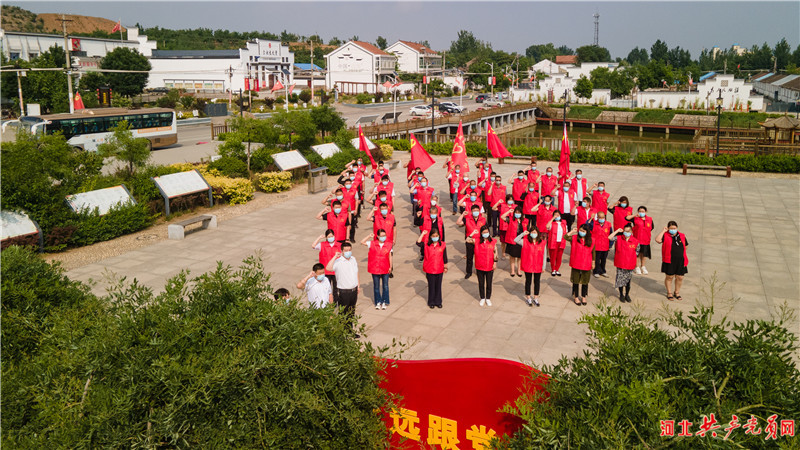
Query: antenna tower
(596, 29)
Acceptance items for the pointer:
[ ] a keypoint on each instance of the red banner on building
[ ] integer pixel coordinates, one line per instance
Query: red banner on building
(451, 403)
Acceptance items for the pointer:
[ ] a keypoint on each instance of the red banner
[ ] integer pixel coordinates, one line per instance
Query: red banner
(454, 403)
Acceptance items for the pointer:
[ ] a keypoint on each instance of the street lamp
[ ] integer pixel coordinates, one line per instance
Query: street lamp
(719, 114)
(566, 103)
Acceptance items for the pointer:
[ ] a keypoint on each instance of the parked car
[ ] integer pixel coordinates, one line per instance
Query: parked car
(481, 97)
(451, 108)
(489, 103)
(420, 110)
(159, 90)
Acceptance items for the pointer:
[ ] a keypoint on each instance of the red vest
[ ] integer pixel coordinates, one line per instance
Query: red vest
(513, 228)
(427, 223)
(600, 234)
(434, 258)
(570, 202)
(625, 253)
(543, 215)
(389, 202)
(533, 176)
(477, 192)
(548, 184)
(378, 258)
(530, 201)
(350, 196)
(552, 235)
(518, 188)
(338, 224)
(484, 255)
(643, 229)
(388, 188)
(580, 256)
(573, 187)
(456, 182)
(584, 216)
(600, 200)
(620, 215)
(470, 225)
(426, 210)
(498, 193)
(326, 252)
(387, 223)
(423, 195)
(532, 255)
(503, 208)
(666, 248)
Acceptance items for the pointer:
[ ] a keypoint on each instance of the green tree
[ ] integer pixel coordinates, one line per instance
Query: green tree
(464, 48)
(783, 52)
(295, 127)
(796, 56)
(91, 81)
(637, 56)
(326, 119)
(659, 51)
(47, 88)
(593, 53)
(381, 43)
(123, 58)
(335, 41)
(583, 87)
(133, 151)
(619, 81)
(540, 52)
(677, 57)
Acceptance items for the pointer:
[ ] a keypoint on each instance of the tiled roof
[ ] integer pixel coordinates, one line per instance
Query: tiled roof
(370, 48)
(567, 59)
(418, 47)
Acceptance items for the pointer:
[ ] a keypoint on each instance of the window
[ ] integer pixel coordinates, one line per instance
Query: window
(723, 83)
(32, 55)
(13, 55)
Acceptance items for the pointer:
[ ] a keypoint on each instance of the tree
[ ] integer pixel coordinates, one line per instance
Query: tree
(125, 148)
(593, 53)
(295, 127)
(326, 119)
(680, 367)
(619, 81)
(541, 52)
(637, 56)
(91, 81)
(583, 87)
(783, 52)
(465, 48)
(123, 58)
(381, 43)
(796, 56)
(659, 51)
(335, 41)
(677, 57)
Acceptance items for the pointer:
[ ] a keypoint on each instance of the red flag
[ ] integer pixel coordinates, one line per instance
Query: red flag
(78, 101)
(420, 159)
(387, 84)
(117, 27)
(362, 145)
(563, 161)
(690, 81)
(291, 88)
(276, 86)
(257, 85)
(459, 155)
(494, 144)
(247, 84)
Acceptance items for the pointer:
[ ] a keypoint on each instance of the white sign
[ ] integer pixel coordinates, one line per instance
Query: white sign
(326, 150)
(370, 145)
(102, 199)
(177, 184)
(15, 224)
(289, 160)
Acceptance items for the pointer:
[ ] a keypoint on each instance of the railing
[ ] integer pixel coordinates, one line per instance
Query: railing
(216, 130)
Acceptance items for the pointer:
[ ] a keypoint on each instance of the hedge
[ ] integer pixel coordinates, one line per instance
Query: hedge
(234, 191)
(274, 181)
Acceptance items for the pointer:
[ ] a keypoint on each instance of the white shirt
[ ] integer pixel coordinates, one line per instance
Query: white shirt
(565, 203)
(318, 292)
(346, 272)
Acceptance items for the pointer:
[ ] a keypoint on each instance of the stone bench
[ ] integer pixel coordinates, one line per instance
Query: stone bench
(177, 230)
(727, 169)
(515, 158)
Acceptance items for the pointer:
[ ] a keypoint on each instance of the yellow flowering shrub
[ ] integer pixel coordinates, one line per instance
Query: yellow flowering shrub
(274, 181)
(234, 191)
(386, 151)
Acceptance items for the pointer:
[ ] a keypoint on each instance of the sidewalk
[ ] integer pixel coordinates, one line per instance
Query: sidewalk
(745, 229)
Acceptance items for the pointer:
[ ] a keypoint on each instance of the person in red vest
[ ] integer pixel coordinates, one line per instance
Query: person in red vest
(530, 199)
(327, 246)
(600, 232)
(471, 196)
(673, 258)
(422, 195)
(532, 261)
(434, 264)
(533, 174)
(413, 186)
(351, 198)
(337, 219)
(338, 194)
(485, 253)
(378, 173)
(544, 212)
(516, 225)
(584, 212)
(484, 171)
(432, 205)
(566, 203)
(379, 265)
(496, 193)
(519, 184)
(580, 260)
(384, 185)
(472, 221)
(502, 208)
(579, 186)
(548, 183)
(642, 231)
(456, 183)
(465, 182)
(382, 198)
(426, 223)
(556, 242)
(622, 212)
(599, 196)
(625, 249)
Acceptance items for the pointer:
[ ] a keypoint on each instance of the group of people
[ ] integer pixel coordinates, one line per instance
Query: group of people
(528, 219)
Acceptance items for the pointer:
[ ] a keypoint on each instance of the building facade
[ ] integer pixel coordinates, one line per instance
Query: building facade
(27, 46)
(415, 58)
(357, 67)
(779, 87)
(737, 95)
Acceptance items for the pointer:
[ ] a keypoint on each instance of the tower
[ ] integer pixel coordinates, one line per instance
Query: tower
(596, 29)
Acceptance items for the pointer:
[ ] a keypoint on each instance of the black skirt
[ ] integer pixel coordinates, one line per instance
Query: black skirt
(514, 251)
(644, 250)
(674, 268)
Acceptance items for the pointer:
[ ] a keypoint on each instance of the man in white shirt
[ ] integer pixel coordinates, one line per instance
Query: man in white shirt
(317, 286)
(346, 268)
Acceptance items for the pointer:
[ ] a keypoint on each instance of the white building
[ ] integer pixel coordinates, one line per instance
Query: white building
(735, 96)
(415, 58)
(216, 71)
(357, 67)
(27, 46)
(779, 87)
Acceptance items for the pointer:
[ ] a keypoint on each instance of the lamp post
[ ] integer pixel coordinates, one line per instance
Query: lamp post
(719, 114)
(566, 103)
(491, 84)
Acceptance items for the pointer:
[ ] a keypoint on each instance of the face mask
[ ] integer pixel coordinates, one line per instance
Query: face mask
(360, 163)
(601, 220)
(424, 183)
(601, 188)
(320, 277)
(533, 167)
(472, 198)
(352, 178)
(433, 202)
(583, 204)
(520, 177)
(549, 174)
(347, 254)
(419, 178)
(510, 202)
(531, 189)
(627, 233)
(517, 215)
(466, 179)
(641, 214)
(534, 235)
(435, 238)
(485, 235)
(458, 171)
(473, 186)
(673, 232)
(385, 183)
(566, 188)
(581, 233)
(433, 216)
(622, 205)
(331, 239)
(476, 213)
(384, 212)
(383, 199)
(382, 238)
(337, 210)
(557, 219)
(348, 186)
(547, 203)
(339, 197)
(579, 176)
(497, 183)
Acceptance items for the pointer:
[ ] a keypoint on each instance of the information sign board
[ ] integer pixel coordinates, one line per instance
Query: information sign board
(15, 224)
(289, 160)
(102, 199)
(182, 183)
(326, 150)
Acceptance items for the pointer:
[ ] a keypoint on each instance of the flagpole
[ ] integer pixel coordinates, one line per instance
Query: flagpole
(120, 29)
(286, 89)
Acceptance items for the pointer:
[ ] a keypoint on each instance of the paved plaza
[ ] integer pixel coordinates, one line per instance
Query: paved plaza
(744, 229)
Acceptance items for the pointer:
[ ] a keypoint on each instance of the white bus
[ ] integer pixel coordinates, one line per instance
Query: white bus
(89, 128)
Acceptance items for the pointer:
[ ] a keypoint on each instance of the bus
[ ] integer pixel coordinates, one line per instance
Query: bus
(88, 128)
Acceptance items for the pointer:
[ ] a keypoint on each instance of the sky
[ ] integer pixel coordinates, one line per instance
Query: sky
(509, 26)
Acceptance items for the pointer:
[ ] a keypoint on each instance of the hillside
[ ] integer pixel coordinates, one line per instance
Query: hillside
(15, 18)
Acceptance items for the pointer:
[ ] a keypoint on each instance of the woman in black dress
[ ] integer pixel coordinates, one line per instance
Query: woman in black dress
(673, 258)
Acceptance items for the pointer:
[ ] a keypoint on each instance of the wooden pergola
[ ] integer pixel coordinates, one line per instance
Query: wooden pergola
(782, 130)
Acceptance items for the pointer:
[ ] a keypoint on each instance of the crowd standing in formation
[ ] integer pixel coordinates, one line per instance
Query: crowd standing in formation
(528, 220)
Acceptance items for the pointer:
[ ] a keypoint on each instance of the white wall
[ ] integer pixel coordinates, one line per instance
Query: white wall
(351, 63)
(197, 70)
(733, 91)
(407, 59)
(32, 44)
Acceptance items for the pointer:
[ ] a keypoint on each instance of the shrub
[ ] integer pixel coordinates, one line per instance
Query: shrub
(305, 95)
(403, 145)
(234, 191)
(363, 98)
(120, 220)
(386, 151)
(230, 166)
(261, 159)
(274, 181)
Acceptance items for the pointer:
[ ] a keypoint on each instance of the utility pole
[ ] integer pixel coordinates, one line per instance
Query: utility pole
(230, 87)
(64, 21)
(491, 82)
(312, 71)
(19, 88)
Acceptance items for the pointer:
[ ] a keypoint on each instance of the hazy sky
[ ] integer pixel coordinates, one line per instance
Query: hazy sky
(510, 26)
